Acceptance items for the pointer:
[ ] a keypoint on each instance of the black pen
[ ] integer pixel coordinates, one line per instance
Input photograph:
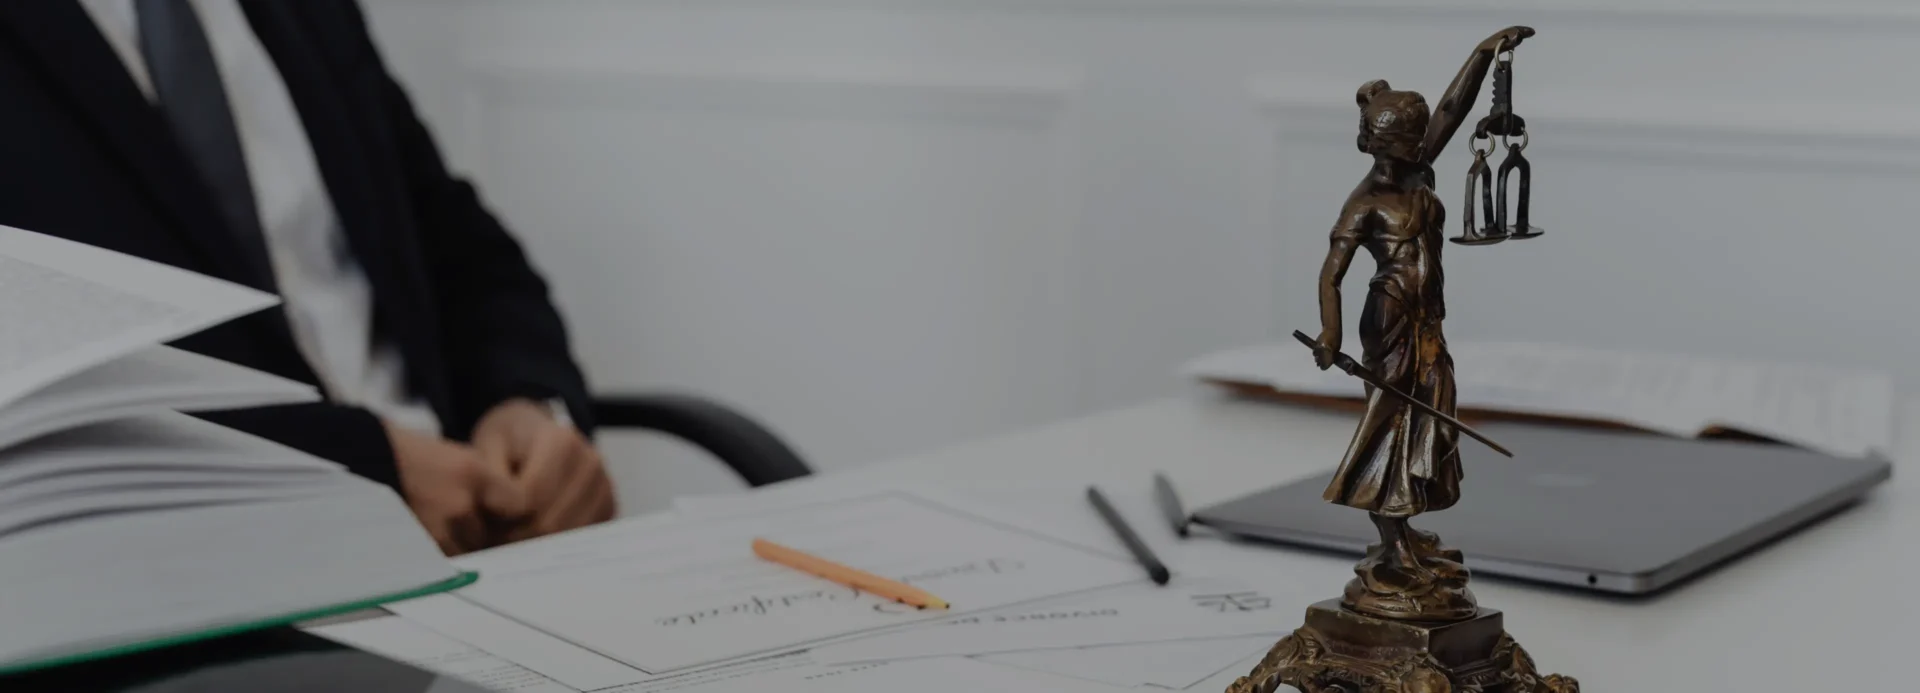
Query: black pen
(1155, 569)
(1170, 504)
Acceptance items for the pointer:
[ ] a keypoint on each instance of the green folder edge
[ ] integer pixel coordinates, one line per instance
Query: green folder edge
(456, 582)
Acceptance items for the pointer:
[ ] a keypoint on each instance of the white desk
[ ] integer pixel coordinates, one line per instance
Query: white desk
(1828, 609)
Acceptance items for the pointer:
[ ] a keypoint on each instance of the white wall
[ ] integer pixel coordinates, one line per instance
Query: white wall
(885, 226)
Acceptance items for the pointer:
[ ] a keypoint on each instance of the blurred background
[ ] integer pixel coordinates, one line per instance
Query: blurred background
(884, 226)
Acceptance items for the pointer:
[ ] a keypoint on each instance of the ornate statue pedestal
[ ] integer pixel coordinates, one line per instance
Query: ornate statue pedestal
(1342, 651)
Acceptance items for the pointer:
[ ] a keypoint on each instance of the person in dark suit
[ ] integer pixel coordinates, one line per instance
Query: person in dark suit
(264, 142)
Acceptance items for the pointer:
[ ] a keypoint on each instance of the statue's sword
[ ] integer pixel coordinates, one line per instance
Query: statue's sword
(1353, 368)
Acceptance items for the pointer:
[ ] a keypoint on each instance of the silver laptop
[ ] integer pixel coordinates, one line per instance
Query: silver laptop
(1611, 511)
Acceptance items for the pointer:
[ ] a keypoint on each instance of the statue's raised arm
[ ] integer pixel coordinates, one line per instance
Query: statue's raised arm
(1458, 101)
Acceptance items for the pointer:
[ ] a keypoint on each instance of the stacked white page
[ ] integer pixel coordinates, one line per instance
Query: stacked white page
(69, 307)
(150, 380)
(124, 577)
(1844, 412)
(125, 523)
(160, 461)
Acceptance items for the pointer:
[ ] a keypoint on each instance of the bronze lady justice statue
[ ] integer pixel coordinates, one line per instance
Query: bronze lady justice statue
(1407, 623)
(1402, 462)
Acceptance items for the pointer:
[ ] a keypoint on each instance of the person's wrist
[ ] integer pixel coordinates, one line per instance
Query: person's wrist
(520, 416)
(407, 457)
(398, 437)
(518, 407)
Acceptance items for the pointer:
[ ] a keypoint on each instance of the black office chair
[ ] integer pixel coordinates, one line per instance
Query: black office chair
(750, 449)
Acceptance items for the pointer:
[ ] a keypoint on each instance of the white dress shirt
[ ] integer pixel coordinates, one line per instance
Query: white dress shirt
(327, 297)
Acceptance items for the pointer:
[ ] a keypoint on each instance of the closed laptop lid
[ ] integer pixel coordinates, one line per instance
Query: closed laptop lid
(1585, 500)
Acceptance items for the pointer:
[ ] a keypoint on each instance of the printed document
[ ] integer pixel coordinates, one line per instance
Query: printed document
(948, 674)
(1175, 665)
(503, 637)
(395, 638)
(1841, 412)
(681, 595)
(1185, 609)
(1165, 665)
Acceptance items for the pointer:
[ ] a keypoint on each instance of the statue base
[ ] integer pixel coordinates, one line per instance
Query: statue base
(1343, 651)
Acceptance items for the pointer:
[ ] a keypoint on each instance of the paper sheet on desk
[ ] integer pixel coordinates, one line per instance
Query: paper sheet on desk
(690, 593)
(403, 640)
(1176, 665)
(1165, 665)
(398, 639)
(947, 675)
(1225, 677)
(1184, 610)
(495, 651)
(535, 650)
(1061, 513)
(1837, 411)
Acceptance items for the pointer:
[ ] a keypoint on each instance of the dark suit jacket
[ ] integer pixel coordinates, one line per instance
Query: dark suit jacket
(84, 156)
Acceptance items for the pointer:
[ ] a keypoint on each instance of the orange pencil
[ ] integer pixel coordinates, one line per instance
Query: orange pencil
(850, 577)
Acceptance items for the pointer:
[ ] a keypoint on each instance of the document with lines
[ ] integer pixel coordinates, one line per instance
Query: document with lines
(951, 674)
(1839, 411)
(1175, 665)
(420, 647)
(678, 595)
(1188, 608)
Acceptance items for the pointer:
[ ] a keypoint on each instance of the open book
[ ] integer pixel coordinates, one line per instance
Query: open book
(125, 524)
(1838, 411)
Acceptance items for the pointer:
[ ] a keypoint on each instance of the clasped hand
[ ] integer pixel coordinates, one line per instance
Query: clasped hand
(1329, 345)
(525, 475)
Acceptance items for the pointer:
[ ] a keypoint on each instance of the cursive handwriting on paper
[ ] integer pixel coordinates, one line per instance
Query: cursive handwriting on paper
(760, 605)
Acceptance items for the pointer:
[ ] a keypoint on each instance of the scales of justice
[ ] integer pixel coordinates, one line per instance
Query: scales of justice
(1407, 622)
